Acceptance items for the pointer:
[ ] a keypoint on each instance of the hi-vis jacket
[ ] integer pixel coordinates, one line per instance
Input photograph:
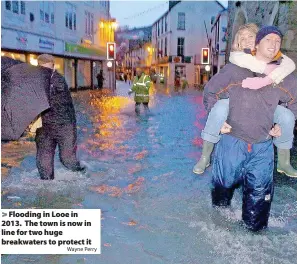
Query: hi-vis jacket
(141, 88)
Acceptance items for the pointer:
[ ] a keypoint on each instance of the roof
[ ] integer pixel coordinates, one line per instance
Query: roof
(177, 2)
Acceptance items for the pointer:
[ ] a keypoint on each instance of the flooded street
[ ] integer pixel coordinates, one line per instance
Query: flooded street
(154, 209)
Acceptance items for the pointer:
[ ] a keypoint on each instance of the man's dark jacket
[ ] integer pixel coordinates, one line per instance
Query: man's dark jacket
(61, 111)
(250, 111)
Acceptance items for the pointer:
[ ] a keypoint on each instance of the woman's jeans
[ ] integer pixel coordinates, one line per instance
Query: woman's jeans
(219, 113)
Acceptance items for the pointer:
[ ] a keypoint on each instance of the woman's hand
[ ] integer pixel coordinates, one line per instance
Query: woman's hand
(226, 128)
(276, 131)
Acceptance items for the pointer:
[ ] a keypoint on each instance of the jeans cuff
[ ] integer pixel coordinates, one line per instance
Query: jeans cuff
(283, 145)
(210, 138)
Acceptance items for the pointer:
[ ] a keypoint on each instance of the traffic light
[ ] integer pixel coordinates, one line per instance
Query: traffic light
(205, 56)
(111, 52)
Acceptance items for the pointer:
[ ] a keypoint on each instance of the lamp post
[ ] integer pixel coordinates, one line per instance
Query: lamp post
(109, 65)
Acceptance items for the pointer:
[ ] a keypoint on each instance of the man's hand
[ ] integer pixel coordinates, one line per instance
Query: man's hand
(226, 128)
(270, 68)
(256, 82)
(276, 131)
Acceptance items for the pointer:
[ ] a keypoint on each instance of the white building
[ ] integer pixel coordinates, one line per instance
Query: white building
(219, 41)
(74, 32)
(178, 37)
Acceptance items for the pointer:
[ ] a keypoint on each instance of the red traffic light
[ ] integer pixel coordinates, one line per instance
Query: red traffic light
(205, 56)
(111, 55)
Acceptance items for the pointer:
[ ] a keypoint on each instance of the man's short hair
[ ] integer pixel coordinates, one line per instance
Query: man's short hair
(253, 28)
(45, 58)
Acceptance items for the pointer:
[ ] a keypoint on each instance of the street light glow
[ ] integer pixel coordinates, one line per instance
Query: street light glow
(207, 68)
(109, 64)
(114, 25)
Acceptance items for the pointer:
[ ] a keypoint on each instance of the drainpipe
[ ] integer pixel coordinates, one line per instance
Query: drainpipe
(92, 72)
(75, 74)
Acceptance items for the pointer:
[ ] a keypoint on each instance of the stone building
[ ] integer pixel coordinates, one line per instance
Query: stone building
(279, 13)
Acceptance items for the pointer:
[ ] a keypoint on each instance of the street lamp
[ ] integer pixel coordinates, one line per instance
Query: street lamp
(207, 68)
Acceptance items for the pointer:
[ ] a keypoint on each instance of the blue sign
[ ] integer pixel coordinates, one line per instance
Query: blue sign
(46, 44)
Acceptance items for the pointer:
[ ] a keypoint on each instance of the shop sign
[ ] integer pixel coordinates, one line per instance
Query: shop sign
(46, 44)
(73, 48)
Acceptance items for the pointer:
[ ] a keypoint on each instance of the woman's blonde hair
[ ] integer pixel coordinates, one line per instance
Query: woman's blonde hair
(253, 28)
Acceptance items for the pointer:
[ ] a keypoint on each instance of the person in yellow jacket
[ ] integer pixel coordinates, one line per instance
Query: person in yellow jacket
(140, 87)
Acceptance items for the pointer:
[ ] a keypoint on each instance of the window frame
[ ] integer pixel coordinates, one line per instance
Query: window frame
(70, 17)
(181, 21)
(180, 46)
(165, 46)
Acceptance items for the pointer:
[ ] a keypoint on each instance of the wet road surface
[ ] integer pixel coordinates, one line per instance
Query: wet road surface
(154, 209)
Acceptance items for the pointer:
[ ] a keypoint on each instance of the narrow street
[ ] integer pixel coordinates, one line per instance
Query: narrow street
(154, 209)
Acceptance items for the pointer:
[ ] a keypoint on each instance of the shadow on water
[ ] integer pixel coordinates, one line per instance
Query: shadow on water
(154, 209)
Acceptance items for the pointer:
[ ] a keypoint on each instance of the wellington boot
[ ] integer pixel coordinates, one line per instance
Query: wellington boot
(283, 163)
(204, 161)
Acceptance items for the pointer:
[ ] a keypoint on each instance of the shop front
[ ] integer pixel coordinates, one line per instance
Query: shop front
(85, 63)
(26, 47)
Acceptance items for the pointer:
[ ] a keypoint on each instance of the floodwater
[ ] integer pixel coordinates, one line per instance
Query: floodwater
(154, 209)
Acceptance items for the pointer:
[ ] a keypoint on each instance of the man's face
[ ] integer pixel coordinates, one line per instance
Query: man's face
(247, 40)
(138, 72)
(49, 65)
(269, 46)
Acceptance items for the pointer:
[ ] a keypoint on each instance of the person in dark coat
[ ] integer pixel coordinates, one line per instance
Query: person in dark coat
(100, 79)
(58, 126)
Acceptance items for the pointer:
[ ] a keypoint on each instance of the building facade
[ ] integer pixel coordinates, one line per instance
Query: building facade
(75, 33)
(178, 37)
(130, 39)
(218, 41)
(139, 57)
(279, 13)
